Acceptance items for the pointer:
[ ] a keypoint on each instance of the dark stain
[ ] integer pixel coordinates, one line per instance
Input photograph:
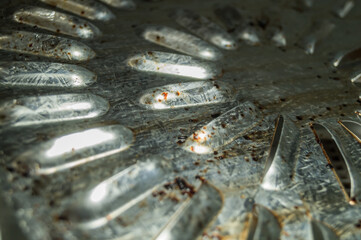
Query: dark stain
(215, 115)
(193, 120)
(182, 185)
(358, 225)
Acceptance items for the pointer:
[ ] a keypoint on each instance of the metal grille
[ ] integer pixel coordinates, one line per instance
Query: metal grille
(180, 119)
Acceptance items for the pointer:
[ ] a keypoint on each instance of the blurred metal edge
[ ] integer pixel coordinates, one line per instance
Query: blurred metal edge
(9, 228)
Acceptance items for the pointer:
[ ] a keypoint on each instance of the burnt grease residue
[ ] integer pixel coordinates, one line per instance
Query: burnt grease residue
(170, 188)
(182, 185)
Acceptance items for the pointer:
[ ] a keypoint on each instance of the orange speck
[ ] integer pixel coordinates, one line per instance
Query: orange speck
(165, 95)
(178, 93)
(192, 148)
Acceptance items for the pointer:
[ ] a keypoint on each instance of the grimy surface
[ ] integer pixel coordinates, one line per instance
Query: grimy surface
(152, 119)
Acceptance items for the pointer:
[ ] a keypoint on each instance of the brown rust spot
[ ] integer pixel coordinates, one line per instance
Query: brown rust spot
(182, 185)
(193, 120)
(160, 193)
(159, 38)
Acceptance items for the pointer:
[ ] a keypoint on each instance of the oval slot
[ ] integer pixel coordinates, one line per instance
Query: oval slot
(181, 42)
(238, 25)
(317, 32)
(115, 195)
(224, 129)
(205, 29)
(173, 64)
(186, 94)
(76, 149)
(45, 74)
(56, 22)
(281, 158)
(338, 162)
(347, 59)
(84, 8)
(344, 8)
(45, 45)
(53, 108)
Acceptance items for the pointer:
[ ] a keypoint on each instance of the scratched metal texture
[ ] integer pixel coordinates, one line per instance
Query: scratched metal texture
(180, 119)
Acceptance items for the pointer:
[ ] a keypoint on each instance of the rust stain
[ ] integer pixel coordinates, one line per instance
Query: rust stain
(165, 95)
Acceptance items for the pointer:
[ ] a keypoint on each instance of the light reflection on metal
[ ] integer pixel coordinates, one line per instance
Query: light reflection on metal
(45, 45)
(317, 32)
(280, 162)
(76, 149)
(223, 130)
(115, 195)
(346, 173)
(187, 94)
(45, 74)
(173, 64)
(205, 29)
(345, 8)
(75, 142)
(56, 22)
(49, 109)
(85, 8)
(353, 127)
(182, 42)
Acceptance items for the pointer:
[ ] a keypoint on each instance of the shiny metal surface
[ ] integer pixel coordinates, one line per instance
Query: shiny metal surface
(145, 119)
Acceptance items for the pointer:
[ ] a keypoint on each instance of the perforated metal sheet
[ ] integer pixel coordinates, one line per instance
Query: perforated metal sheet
(180, 119)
